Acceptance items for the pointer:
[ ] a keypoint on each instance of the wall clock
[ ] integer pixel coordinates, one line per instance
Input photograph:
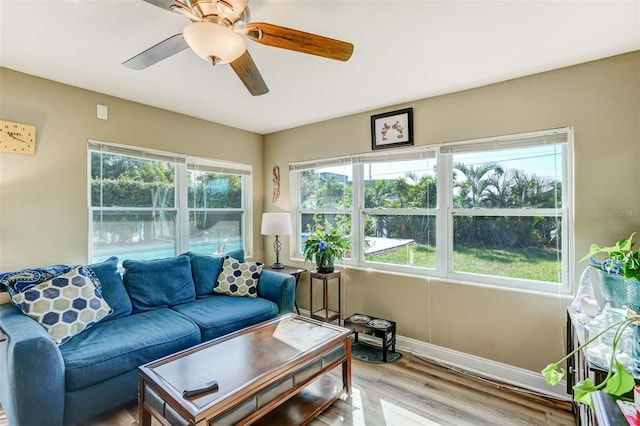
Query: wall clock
(17, 138)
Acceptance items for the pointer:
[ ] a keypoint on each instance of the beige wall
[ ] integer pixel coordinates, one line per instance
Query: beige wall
(43, 198)
(601, 100)
(43, 205)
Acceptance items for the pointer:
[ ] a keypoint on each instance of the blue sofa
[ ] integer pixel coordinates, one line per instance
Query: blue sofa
(158, 308)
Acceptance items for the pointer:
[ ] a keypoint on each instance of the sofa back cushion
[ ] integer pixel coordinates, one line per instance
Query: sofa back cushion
(113, 290)
(158, 283)
(206, 268)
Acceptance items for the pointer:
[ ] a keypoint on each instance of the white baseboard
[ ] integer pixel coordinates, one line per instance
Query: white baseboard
(484, 367)
(477, 365)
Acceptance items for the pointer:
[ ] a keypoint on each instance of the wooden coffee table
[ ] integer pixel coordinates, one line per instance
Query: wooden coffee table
(276, 372)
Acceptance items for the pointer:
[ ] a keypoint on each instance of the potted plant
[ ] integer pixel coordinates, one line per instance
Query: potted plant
(619, 273)
(623, 264)
(324, 247)
(622, 259)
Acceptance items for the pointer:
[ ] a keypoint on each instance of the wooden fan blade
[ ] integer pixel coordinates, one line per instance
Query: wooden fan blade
(299, 41)
(164, 49)
(249, 74)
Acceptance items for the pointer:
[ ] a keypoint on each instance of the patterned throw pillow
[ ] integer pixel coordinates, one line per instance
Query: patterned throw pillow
(64, 305)
(18, 281)
(238, 278)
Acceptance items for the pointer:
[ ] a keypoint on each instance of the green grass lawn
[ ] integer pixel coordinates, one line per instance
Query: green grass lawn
(529, 263)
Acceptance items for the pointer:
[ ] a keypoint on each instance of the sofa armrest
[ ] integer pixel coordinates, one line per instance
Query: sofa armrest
(279, 288)
(32, 382)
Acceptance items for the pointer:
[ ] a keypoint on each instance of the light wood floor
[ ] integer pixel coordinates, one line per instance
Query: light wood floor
(414, 392)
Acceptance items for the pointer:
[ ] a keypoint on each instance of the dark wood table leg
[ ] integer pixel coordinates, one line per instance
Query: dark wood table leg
(393, 338)
(144, 417)
(384, 345)
(346, 367)
(325, 298)
(339, 298)
(295, 302)
(310, 297)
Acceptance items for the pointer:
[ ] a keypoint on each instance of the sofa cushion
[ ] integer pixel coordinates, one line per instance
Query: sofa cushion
(205, 269)
(238, 278)
(158, 283)
(220, 315)
(112, 286)
(65, 305)
(112, 348)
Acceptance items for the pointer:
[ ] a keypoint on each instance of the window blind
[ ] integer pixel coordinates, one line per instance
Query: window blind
(547, 137)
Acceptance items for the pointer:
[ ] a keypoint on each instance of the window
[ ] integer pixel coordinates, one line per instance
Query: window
(492, 211)
(398, 212)
(325, 198)
(149, 204)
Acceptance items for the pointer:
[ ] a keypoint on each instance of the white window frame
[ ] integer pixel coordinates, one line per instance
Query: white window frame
(183, 163)
(445, 212)
(397, 155)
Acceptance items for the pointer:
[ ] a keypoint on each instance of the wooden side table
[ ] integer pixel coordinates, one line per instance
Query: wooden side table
(289, 270)
(325, 314)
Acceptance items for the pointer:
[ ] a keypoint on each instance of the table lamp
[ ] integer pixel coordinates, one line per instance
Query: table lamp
(276, 224)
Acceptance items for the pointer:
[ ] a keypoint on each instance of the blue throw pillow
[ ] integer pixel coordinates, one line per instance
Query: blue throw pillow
(20, 281)
(113, 290)
(158, 283)
(206, 268)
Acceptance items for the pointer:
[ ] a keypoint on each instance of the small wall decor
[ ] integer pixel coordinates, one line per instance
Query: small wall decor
(392, 129)
(276, 184)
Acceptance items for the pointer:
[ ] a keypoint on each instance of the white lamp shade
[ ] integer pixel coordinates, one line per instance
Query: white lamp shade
(276, 224)
(208, 39)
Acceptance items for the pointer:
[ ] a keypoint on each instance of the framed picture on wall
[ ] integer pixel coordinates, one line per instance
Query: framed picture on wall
(392, 129)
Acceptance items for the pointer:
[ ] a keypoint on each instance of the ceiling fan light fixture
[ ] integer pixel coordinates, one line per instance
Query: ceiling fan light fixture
(213, 40)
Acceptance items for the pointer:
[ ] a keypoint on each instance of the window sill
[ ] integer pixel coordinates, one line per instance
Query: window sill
(561, 293)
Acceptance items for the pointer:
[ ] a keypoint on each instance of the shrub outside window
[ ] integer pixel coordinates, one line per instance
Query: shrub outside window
(325, 198)
(398, 215)
(135, 199)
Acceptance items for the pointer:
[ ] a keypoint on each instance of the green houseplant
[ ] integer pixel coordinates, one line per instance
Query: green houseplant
(622, 260)
(324, 247)
(623, 263)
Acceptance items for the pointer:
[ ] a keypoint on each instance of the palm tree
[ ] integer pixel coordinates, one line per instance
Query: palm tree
(500, 187)
(476, 181)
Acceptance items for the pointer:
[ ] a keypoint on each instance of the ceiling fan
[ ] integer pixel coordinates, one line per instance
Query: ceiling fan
(215, 34)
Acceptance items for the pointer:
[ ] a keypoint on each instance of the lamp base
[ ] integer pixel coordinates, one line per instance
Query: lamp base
(277, 265)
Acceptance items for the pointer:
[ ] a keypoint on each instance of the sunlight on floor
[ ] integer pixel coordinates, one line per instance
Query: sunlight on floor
(357, 409)
(384, 412)
(395, 415)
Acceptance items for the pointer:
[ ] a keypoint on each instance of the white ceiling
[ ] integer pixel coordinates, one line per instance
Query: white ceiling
(404, 51)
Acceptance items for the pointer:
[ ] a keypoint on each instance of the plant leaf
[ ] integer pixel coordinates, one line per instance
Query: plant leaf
(582, 392)
(625, 244)
(594, 249)
(621, 382)
(552, 374)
